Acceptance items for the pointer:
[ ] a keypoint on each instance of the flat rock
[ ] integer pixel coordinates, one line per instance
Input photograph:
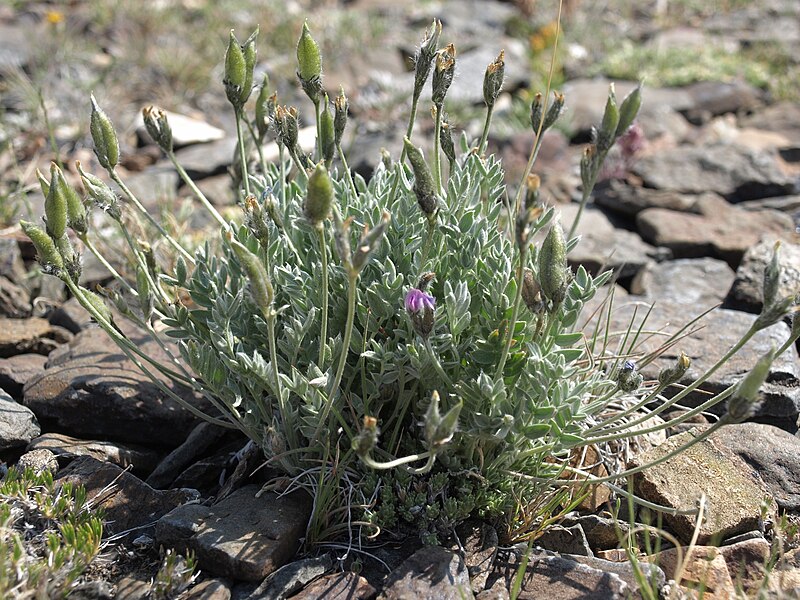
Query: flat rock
(18, 425)
(781, 117)
(735, 172)
(14, 300)
(338, 586)
(747, 291)
(200, 439)
(702, 468)
(287, 580)
(210, 589)
(185, 130)
(565, 540)
(712, 98)
(624, 570)
(241, 537)
(39, 461)
(699, 282)
(773, 453)
(715, 228)
(704, 569)
(602, 533)
(431, 573)
(154, 185)
(746, 562)
(629, 200)
(208, 159)
(15, 371)
(126, 500)
(34, 335)
(71, 316)
(91, 390)
(142, 460)
(12, 266)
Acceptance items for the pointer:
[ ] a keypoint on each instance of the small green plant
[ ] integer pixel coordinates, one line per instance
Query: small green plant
(174, 576)
(49, 535)
(406, 349)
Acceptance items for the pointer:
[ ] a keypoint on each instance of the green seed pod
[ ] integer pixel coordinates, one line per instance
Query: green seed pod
(319, 196)
(446, 140)
(669, 375)
(341, 106)
(309, 64)
(48, 256)
(55, 204)
(443, 74)
(588, 167)
(608, 128)
(106, 145)
(532, 293)
(447, 425)
(97, 303)
(249, 51)
(43, 183)
(341, 239)
(554, 110)
(145, 293)
(493, 79)
(263, 116)
(424, 56)
(745, 399)
(263, 293)
(181, 272)
(235, 76)
(772, 277)
(629, 109)
(100, 193)
(553, 265)
(76, 211)
(537, 113)
(157, 125)
(423, 179)
(327, 134)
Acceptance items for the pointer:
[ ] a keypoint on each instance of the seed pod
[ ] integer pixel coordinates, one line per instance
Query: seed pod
(157, 125)
(235, 71)
(368, 242)
(772, 277)
(493, 79)
(629, 109)
(249, 51)
(309, 64)
(443, 74)
(553, 265)
(608, 128)
(263, 293)
(669, 375)
(341, 106)
(319, 196)
(423, 58)
(745, 399)
(554, 110)
(446, 140)
(72, 260)
(97, 303)
(423, 179)
(145, 293)
(537, 112)
(327, 135)
(43, 183)
(341, 239)
(100, 193)
(48, 256)
(55, 205)
(532, 293)
(106, 145)
(588, 167)
(76, 211)
(263, 116)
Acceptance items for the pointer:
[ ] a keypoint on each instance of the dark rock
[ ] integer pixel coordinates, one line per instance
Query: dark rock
(430, 573)
(287, 580)
(38, 460)
(625, 570)
(718, 229)
(479, 543)
(747, 291)
(565, 540)
(15, 371)
(18, 425)
(629, 200)
(91, 390)
(602, 533)
(133, 587)
(713, 98)
(701, 283)
(71, 316)
(772, 453)
(200, 439)
(338, 586)
(141, 459)
(203, 474)
(126, 500)
(242, 537)
(747, 563)
(703, 468)
(34, 335)
(12, 266)
(14, 300)
(210, 589)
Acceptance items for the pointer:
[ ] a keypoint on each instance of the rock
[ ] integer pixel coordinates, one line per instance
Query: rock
(16, 46)
(629, 200)
(154, 185)
(18, 425)
(127, 502)
(746, 562)
(15, 371)
(71, 316)
(431, 572)
(204, 474)
(210, 589)
(338, 586)
(14, 300)
(565, 540)
(604, 246)
(208, 159)
(471, 66)
(242, 537)
(701, 282)
(34, 335)
(731, 171)
(717, 229)
(91, 390)
(479, 542)
(625, 571)
(133, 587)
(712, 98)
(781, 117)
(705, 568)
(497, 592)
(12, 266)
(772, 453)
(747, 291)
(38, 460)
(703, 468)
(787, 204)
(602, 533)
(185, 130)
(200, 439)
(287, 580)
(218, 189)
(141, 459)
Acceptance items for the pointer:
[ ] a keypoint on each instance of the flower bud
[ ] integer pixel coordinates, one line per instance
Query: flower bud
(368, 242)
(423, 179)
(263, 293)
(532, 293)
(327, 134)
(319, 196)
(255, 220)
(588, 167)
(341, 106)
(341, 239)
(745, 399)
(157, 125)
(72, 260)
(249, 50)
(55, 204)
(264, 108)
(423, 58)
(628, 378)
(443, 73)
(537, 112)
(533, 185)
(367, 438)
(420, 307)
(46, 251)
(100, 193)
(286, 126)
(493, 79)
(106, 145)
(669, 375)
(772, 277)
(608, 128)
(446, 140)
(440, 429)
(309, 64)
(553, 265)
(554, 110)
(629, 109)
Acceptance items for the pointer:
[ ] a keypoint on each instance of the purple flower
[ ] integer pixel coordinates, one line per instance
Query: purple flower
(417, 300)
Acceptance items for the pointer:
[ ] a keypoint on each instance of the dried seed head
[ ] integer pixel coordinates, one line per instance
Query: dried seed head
(369, 241)
(443, 74)
(423, 179)
(157, 125)
(341, 239)
(319, 196)
(537, 113)
(309, 65)
(367, 438)
(588, 166)
(493, 79)
(106, 145)
(532, 293)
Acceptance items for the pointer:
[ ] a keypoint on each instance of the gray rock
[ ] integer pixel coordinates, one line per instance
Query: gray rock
(718, 229)
(497, 592)
(39, 461)
(12, 266)
(735, 172)
(18, 425)
(14, 300)
(155, 184)
(602, 533)
(200, 439)
(629, 200)
(185, 130)
(126, 500)
(288, 580)
(210, 589)
(91, 390)
(470, 68)
(625, 571)
(479, 543)
(747, 562)
(34, 335)
(700, 282)
(16, 46)
(142, 460)
(747, 291)
(242, 537)
(430, 573)
(346, 585)
(71, 316)
(782, 117)
(713, 98)
(702, 468)
(772, 453)
(565, 540)
(208, 159)
(787, 204)
(15, 371)
(218, 189)
(133, 587)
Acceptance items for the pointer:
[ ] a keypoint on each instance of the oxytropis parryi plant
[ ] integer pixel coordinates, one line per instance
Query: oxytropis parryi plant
(401, 348)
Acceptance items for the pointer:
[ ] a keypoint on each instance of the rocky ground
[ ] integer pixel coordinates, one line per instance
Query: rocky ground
(687, 219)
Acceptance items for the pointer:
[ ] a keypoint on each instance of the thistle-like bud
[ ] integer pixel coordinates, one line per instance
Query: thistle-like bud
(554, 110)
(106, 145)
(446, 140)
(424, 189)
(608, 128)
(629, 379)
(669, 375)
(443, 73)
(367, 438)
(745, 399)
(368, 242)
(537, 113)
(420, 307)
(286, 126)
(423, 58)
(309, 65)
(553, 264)
(255, 220)
(47, 254)
(55, 204)
(341, 106)
(265, 109)
(102, 195)
(533, 185)
(386, 159)
(772, 277)
(493, 79)
(319, 196)
(628, 110)
(261, 286)
(327, 134)
(157, 125)
(532, 293)
(588, 166)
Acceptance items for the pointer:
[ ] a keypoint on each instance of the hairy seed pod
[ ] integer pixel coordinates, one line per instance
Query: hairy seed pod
(106, 145)
(537, 113)
(423, 58)
(263, 116)
(309, 65)
(745, 399)
(100, 193)
(76, 211)
(669, 375)
(553, 264)
(327, 134)
(629, 109)
(235, 71)
(261, 286)
(532, 293)
(249, 51)
(554, 110)
(341, 106)
(43, 183)
(46, 251)
(55, 205)
(423, 179)
(319, 196)
(608, 128)
(443, 74)
(157, 126)
(446, 140)
(98, 304)
(493, 79)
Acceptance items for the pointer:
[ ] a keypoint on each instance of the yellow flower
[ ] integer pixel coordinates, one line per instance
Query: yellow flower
(54, 17)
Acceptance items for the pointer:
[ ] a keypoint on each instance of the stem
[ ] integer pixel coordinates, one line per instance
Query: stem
(196, 190)
(584, 200)
(384, 466)
(273, 357)
(262, 161)
(283, 176)
(298, 164)
(242, 156)
(436, 364)
(410, 129)
(323, 336)
(347, 173)
(426, 247)
(319, 138)
(514, 315)
(486, 124)
(437, 164)
(135, 201)
(93, 249)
